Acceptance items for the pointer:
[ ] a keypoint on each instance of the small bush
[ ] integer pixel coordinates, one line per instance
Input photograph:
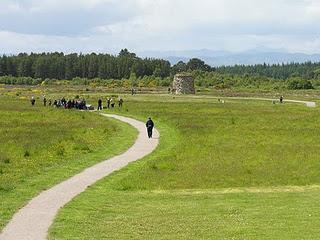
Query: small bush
(297, 84)
(26, 153)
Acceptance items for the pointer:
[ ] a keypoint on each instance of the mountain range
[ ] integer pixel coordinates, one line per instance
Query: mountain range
(220, 58)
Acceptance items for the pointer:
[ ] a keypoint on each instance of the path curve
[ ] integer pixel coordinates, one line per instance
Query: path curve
(307, 103)
(33, 221)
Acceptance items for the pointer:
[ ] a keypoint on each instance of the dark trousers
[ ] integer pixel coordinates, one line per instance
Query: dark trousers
(100, 107)
(149, 132)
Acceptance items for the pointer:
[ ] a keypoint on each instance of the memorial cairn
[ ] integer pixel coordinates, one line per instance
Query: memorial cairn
(183, 84)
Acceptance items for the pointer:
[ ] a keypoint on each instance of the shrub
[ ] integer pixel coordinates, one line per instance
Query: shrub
(297, 83)
(26, 153)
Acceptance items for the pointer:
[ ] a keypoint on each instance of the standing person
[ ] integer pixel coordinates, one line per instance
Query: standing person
(33, 101)
(63, 102)
(84, 104)
(281, 99)
(99, 104)
(149, 126)
(112, 103)
(69, 104)
(120, 101)
(44, 101)
(50, 102)
(108, 102)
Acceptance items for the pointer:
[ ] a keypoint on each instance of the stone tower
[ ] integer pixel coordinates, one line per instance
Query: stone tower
(183, 84)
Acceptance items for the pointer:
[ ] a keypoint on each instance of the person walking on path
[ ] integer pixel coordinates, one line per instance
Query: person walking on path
(281, 99)
(108, 103)
(99, 104)
(150, 126)
(44, 101)
(112, 103)
(33, 100)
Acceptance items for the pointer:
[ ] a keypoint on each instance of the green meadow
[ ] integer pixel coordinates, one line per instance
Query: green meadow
(240, 170)
(39, 147)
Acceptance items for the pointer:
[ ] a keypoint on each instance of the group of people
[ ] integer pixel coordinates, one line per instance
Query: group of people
(77, 103)
(81, 104)
(63, 103)
(110, 103)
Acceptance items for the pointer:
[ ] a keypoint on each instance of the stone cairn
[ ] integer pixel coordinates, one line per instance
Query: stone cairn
(183, 84)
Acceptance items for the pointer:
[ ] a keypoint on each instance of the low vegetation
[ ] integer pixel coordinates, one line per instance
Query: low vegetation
(41, 146)
(221, 171)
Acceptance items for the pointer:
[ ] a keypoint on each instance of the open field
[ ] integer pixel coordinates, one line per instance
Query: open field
(239, 170)
(40, 146)
(202, 214)
(89, 90)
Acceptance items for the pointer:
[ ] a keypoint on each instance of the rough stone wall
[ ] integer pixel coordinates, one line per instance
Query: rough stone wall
(183, 84)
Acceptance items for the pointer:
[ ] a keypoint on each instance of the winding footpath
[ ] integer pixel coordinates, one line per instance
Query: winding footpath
(33, 221)
(307, 103)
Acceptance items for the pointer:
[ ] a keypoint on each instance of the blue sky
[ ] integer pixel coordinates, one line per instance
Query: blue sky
(140, 25)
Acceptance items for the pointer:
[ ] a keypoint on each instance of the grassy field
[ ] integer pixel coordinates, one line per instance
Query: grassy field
(103, 214)
(239, 170)
(41, 146)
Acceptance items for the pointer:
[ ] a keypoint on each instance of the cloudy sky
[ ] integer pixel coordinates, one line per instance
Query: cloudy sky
(109, 25)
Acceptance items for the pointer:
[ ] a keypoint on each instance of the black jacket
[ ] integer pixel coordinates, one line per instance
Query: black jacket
(149, 124)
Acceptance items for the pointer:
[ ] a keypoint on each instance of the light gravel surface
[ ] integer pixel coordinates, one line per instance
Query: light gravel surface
(307, 103)
(33, 221)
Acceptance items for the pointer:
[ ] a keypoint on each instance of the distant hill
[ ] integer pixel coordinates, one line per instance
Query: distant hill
(219, 58)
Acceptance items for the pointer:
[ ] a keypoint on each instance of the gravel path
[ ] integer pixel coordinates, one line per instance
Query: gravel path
(33, 221)
(307, 103)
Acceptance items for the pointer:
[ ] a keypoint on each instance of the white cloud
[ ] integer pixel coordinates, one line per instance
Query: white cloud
(107, 25)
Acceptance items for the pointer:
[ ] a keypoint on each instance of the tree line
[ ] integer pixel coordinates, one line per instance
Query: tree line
(307, 70)
(60, 66)
(105, 66)
(106, 69)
